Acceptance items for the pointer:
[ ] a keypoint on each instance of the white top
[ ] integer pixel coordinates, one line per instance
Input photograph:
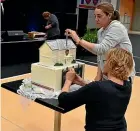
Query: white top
(115, 35)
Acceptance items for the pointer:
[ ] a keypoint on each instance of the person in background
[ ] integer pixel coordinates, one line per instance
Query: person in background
(52, 26)
(112, 33)
(106, 101)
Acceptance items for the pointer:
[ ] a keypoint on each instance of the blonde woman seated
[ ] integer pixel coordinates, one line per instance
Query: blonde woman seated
(106, 101)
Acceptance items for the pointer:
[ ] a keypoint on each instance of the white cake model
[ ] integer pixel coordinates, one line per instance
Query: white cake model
(55, 57)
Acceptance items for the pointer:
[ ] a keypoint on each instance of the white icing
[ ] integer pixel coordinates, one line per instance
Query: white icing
(51, 53)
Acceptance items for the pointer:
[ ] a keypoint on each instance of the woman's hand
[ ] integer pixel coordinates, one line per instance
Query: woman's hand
(70, 75)
(72, 34)
(79, 81)
(48, 26)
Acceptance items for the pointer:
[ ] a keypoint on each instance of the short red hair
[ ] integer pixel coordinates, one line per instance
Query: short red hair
(119, 63)
(46, 14)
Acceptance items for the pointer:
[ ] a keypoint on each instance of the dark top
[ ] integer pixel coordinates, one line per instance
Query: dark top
(54, 30)
(106, 103)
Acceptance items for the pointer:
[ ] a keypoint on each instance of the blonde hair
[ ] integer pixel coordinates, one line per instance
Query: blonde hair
(119, 63)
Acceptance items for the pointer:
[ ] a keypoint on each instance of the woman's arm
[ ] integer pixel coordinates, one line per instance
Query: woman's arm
(87, 45)
(99, 74)
(79, 81)
(48, 26)
(71, 100)
(111, 39)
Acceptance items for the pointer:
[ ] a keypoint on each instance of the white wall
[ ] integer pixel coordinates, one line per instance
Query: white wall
(91, 2)
(91, 21)
(136, 20)
(114, 3)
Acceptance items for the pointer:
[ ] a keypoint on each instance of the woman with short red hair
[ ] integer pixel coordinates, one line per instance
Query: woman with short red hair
(52, 26)
(106, 101)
